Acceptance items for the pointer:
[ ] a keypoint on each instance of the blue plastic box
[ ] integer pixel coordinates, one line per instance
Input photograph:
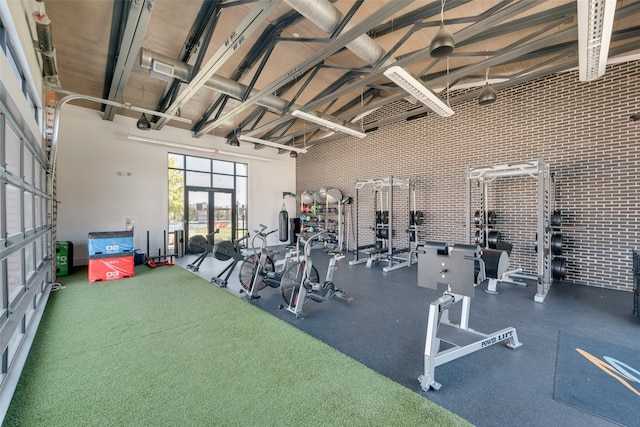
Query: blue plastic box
(110, 242)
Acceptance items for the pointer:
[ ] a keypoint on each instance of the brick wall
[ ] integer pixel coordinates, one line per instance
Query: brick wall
(581, 129)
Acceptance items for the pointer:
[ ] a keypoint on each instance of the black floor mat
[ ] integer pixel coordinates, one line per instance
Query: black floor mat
(599, 377)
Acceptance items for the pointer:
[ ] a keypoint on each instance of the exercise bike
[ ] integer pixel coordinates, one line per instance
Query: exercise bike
(258, 270)
(299, 286)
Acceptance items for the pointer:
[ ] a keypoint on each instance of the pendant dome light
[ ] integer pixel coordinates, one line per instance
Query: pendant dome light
(488, 94)
(443, 43)
(143, 122)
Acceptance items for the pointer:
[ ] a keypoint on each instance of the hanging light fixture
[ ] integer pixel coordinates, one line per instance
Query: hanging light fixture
(233, 141)
(488, 94)
(443, 43)
(143, 123)
(294, 154)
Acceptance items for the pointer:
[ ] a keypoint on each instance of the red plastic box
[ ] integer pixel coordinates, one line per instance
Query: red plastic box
(104, 268)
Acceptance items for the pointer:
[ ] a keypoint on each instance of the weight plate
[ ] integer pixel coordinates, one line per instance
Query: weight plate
(559, 268)
(491, 217)
(556, 244)
(418, 217)
(493, 238)
(385, 217)
(477, 218)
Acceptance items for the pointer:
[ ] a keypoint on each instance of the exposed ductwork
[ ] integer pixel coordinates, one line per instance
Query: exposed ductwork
(320, 12)
(166, 68)
(327, 18)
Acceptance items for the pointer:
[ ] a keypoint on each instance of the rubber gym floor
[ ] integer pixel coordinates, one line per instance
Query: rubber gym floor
(385, 327)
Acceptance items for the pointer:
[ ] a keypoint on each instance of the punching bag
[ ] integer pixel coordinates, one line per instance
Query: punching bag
(283, 224)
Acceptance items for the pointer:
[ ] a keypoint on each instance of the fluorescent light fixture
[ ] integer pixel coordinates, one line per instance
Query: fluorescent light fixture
(407, 82)
(327, 123)
(210, 151)
(595, 25)
(245, 156)
(244, 138)
(172, 144)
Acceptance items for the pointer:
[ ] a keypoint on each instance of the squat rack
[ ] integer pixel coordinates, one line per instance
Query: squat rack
(540, 171)
(389, 254)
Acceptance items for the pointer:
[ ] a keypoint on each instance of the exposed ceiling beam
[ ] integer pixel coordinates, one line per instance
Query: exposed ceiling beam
(199, 35)
(498, 59)
(517, 79)
(348, 36)
(410, 18)
(561, 12)
(464, 34)
(508, 55)
(118, 22)
(273, 30)
(467, 33)
(134, 30)
(249, 24)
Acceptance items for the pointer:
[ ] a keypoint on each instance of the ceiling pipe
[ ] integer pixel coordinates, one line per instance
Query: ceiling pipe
(166, 68)
(320, 12)
(325, 15)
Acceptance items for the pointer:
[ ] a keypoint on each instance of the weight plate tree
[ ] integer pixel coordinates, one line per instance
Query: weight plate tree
(558, 264)
(540, 171)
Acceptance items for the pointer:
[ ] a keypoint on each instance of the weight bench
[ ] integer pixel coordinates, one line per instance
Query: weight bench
(452, 268)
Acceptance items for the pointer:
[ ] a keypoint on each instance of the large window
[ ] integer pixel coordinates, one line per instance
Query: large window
(207, 195)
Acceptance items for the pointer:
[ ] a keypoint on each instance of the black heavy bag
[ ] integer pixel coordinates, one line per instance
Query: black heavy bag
(283, 225)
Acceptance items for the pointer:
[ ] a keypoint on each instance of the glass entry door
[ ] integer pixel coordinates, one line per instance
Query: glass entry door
(208, 210)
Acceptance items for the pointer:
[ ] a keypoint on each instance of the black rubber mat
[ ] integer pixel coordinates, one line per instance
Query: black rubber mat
(599, 377)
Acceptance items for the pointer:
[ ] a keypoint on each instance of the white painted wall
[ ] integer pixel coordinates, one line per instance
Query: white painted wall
(93, 197)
